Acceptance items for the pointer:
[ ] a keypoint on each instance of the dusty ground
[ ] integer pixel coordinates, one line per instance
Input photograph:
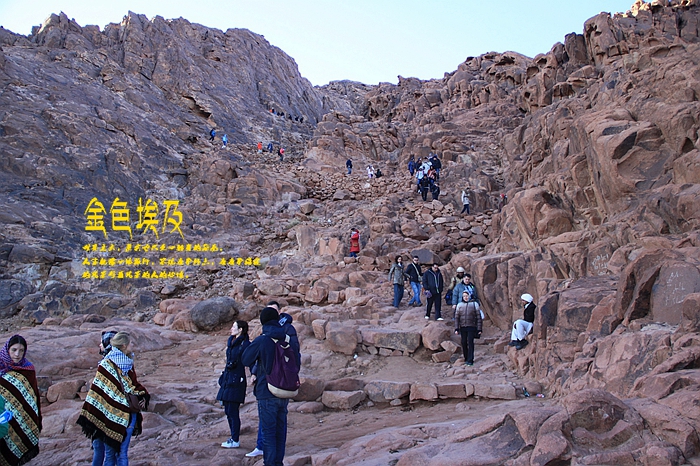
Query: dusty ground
(186, 425)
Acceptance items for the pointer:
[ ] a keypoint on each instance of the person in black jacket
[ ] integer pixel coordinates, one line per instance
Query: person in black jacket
(415, 274)
(522, 327)
(433, 284)
(233, 381)
(272, 410)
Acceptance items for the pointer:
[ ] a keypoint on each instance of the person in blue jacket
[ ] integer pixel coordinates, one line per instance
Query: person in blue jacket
(272, 410)
(233, 381)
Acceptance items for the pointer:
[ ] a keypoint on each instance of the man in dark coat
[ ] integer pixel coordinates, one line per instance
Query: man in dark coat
(433, 284)
(272, 410)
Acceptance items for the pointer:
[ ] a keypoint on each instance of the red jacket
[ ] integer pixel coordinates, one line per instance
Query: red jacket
(355, 242)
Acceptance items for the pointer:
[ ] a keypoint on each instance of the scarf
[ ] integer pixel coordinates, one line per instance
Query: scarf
(105, 412)
(6, 362)
(124, 362)
(19, 389)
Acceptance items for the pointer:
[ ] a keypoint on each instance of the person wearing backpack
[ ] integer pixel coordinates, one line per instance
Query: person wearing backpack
(271, 409)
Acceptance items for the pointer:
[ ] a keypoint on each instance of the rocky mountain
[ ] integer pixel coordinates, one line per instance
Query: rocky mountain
(595, 146)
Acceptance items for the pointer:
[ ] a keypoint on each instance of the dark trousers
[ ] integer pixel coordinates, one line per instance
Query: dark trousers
(437, 299)
(468, 334)
(466, 207)
(273, 416)
(234, 419)
(398, 294)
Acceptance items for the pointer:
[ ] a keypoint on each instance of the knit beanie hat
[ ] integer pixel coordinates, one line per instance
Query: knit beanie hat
(268, 314)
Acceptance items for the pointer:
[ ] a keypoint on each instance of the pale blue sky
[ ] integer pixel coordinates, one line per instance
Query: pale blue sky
(361, 40)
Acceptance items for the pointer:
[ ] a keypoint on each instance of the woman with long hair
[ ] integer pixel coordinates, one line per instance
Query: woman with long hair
(233, 381)
(108, 413)
(19, 389)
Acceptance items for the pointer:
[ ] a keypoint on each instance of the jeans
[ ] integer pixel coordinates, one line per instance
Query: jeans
(398, 294)
(349, 170)
(98, 453)
(259, 441)
(234, 419)
(437, 299)
(273, 416)
(465, 207)
(121, 457)
(415, 286)
(468, 334)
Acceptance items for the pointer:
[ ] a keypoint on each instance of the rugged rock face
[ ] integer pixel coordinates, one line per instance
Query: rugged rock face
(594, 145)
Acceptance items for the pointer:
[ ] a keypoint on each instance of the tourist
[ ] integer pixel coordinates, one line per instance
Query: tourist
(233, 381)
(397, 278)
(224, 139)
(411, 166)
(415, 274)
(114, 415)
(260, 147)
(435, 191)
(272, 410)
(432, 286)
(18, 387)
(465, 285)
(370, 171)
(454, 281)
(354, 242)
(212, 134)
(468, 324)
(98, 444)
(465, 202)
(280, 152)
(348, 165)
(522, 327)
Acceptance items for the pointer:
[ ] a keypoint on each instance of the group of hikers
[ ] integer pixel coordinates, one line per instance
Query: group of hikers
(112, 411)
(427, 173)
(270, 149)
(462, 295)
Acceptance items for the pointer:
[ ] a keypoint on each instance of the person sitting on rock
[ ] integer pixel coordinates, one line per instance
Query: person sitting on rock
(379, 173)
(370, 171)
(522, 327)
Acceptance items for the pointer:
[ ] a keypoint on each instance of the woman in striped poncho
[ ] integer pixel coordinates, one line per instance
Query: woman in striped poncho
(19, 389)
(106, 413)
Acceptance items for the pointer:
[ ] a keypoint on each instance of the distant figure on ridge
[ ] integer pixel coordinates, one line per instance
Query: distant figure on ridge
(224, 140)
(465, 202)
(259, 147)
(348, 165)
(212, 134)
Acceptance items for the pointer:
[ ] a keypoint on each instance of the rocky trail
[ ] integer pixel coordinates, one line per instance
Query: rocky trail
(595, 143)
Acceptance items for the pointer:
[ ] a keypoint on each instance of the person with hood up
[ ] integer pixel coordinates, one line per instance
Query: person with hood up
(272, 410)
(19, 389)
(522, 327)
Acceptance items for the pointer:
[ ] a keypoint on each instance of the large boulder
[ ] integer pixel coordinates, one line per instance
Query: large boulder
(212, 313)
